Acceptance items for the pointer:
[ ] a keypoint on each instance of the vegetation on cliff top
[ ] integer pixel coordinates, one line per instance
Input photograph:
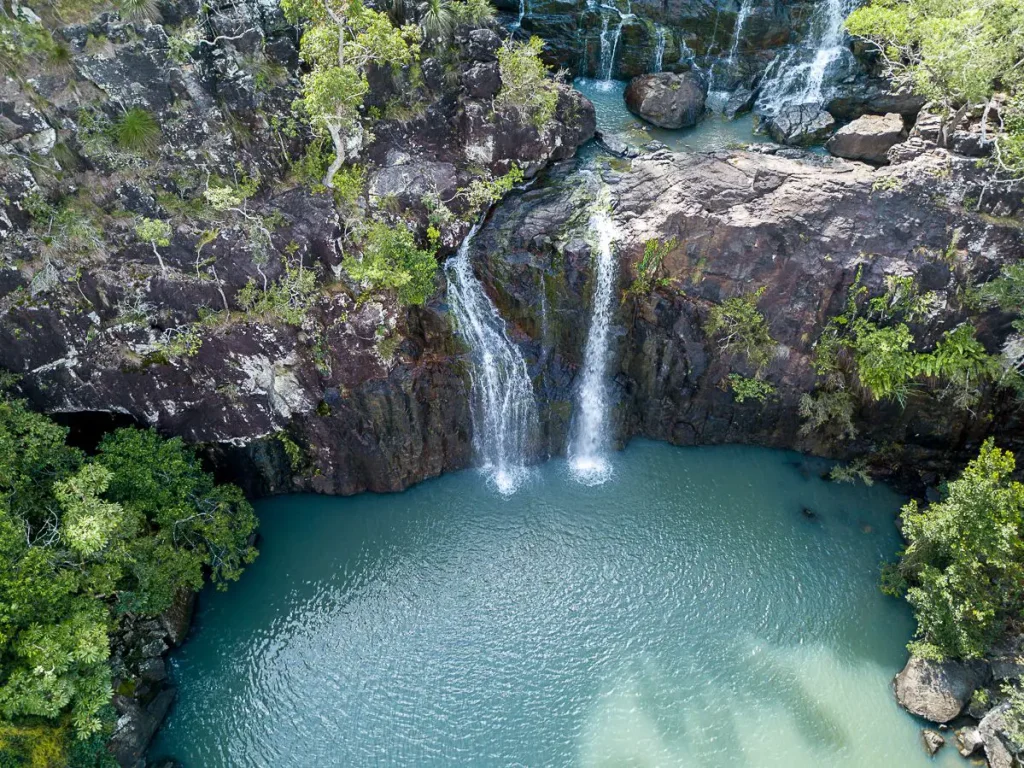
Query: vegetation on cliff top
(85, 539)
(963, 567)
(961, 54)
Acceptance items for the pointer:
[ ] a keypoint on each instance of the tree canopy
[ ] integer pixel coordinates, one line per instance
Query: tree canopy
(86, 538)
(959, 54)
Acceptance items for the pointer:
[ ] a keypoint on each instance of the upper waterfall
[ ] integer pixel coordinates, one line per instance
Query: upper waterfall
(588, 446)
(504, 410)
(798, 75)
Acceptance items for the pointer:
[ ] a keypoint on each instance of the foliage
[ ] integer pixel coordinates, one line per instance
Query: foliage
(828, 410)
(155, 231)
(340, 39)
(956, 53)
(473, 13)
(525, 86)
(137, 131)
(648, 266)
(288, 299)
(746, 388)
(437, 21)
(741, 327)
(964, 562)
(139, 10)
(84, 538)
(852, 472)
(392, 260)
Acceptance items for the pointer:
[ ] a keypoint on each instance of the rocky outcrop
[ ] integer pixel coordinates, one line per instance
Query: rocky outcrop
(932, 741)
(667, 100)
(868, 138)
(800, 125)
(938, 691)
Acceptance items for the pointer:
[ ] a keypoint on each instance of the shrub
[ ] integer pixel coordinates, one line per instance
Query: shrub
(741, 327)
(964, 562)
(525, 86)
(745, 388)
(391, 260)
(137, 131)
(648, 266)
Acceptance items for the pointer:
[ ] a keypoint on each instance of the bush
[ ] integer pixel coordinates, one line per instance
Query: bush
(525, 86)
(391, 260)
(745, 388)
(741, 327)
(964, 564)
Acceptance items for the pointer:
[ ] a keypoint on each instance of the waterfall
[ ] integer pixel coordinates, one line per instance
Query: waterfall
(610, 43)
(522, 14)
(589, 444)
(718, 94)
(504, 411)
(741, 18)
(659, 50)
(798, 76)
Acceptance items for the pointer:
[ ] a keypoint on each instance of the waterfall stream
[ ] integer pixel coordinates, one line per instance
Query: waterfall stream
(798, 76)
(659, 50)
(522, 15)
(504, 410)
(589, 443)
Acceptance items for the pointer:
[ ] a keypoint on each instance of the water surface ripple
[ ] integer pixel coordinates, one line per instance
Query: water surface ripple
(686, 613)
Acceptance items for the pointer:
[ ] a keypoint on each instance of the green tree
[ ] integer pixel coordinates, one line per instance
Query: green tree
(85, 538)
(957, 53)
(340, 39)
(158, 234)
(963, 568)
(525, 85)
(392, 260)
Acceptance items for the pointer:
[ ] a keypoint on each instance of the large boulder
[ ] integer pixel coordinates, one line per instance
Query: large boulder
(667, 99)
(938, 691)
(868, 138)
(800, 125)
(993, 731)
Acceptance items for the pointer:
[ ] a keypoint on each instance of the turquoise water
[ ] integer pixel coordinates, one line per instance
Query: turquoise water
(714, 132)
(686, 613)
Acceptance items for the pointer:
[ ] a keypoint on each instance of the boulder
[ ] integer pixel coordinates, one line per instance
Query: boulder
(992, 730)
(667, 99)
(932, 741)
(800, 125)
(868, 138)
(482, 81)
(872, 95)
(938, 691)
(968, 741)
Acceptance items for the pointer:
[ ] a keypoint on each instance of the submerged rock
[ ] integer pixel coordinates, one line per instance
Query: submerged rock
(932, 741)
(868, 138)
(938, 691)
(800, 125)
(666, 99)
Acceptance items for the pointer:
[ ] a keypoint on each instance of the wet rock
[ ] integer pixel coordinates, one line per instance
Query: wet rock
(177, 619)
(810, 514)
(666, 99)
(868, 138)
(872, 96)
(932, 741)
(800, 125)
(968, 741)
(136, 725)
(938, 691)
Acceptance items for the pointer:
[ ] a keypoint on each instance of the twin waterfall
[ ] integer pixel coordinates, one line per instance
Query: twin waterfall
(588, 448)
(504, 410)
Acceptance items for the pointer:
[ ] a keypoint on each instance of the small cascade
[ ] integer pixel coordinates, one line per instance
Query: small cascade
(718, 92)
(504, 410)
(588, 445)
(522, 15)
(609, 42)
(798, 76)
(659, 49)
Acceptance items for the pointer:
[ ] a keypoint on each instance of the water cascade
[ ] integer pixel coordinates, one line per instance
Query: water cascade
(588, 446)
(503, 407)
(659, 50)
(718, 94)
(522, 15)
(798, 76)
(609, 40)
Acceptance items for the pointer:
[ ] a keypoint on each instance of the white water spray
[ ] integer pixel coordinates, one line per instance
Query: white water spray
(659, 49)
(588, 448)
(798, 76)
(504, 410)
(522, 15)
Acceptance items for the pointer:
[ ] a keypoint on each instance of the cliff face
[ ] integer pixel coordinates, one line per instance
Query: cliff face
(801, 229)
